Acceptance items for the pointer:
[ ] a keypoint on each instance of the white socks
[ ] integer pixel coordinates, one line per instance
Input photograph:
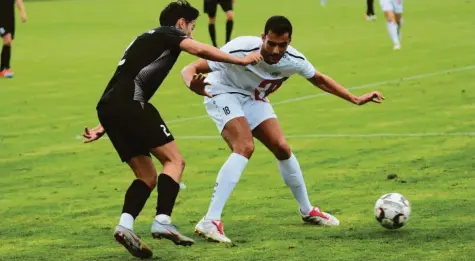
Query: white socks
(163, 219)
(293, 178)
(393, 33)
(227, 179)
(127, 221)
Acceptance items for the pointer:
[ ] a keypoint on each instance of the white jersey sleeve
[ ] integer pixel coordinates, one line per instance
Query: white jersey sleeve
(302, 66)
(239, 47)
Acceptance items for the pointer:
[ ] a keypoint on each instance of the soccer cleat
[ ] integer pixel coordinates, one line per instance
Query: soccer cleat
(397, 47)
(320, 218)
(132, 242)
(170, 232)
(370, 17)
(212, 230)
(6, 73)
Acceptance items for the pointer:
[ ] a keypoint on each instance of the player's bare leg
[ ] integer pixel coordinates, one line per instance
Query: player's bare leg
(271, 135)
(5, 70)
(238, 136)
(168, 188)
(392, 29)
(135, 199)
(399, 22)
(212, 30)
(229, 24)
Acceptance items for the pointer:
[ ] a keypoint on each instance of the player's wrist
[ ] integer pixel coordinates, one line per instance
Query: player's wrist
(355, 99)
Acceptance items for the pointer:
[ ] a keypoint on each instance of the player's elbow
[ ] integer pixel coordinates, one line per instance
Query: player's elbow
(187, 71)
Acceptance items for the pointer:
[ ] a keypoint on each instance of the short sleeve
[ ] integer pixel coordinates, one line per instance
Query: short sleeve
(306, 69)
(172, 37)
(227, 48)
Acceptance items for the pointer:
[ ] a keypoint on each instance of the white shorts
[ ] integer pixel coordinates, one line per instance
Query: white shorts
(227, 106)
(391, 5)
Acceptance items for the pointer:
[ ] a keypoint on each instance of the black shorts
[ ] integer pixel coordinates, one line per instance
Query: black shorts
(7, 25)
(210, 6)
(133, 129)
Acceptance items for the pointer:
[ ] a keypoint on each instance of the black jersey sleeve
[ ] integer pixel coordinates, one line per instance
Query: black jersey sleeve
(172, 37)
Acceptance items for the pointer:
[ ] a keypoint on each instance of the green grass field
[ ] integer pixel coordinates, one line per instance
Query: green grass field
(60, 199)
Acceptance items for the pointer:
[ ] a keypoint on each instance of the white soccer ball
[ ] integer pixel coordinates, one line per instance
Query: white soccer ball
(392, 210)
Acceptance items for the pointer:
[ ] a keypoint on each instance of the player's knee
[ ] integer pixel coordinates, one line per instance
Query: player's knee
(7, 41)
(245, 148)
(282, 150)
(177, 163)
(229, 15)
(212, 20)
(180, 163)
(150, 180)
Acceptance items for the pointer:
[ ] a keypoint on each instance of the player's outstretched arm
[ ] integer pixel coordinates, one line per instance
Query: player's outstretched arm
(22, 9)
(329, 85)
(209, 52)
(93, 134)
(193, 76)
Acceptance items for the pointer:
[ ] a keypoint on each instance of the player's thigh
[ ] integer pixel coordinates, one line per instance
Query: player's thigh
(223, 108)
(398, 18)
(226, 110)
(238, 136)
(257, 111)
(210, 7)
(271, 135)
(121, 126)
(226, 5)
(154, 130)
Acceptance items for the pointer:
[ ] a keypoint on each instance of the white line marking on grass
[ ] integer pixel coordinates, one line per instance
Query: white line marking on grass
(306, 97)
(322, 136)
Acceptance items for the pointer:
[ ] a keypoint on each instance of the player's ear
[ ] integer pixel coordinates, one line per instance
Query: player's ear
(263, 35)
(181, 23)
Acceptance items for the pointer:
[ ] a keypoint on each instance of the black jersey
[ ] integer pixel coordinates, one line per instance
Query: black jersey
(144, 65)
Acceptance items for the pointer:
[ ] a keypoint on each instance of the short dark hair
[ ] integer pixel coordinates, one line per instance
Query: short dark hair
(176, 10)
(279, 25)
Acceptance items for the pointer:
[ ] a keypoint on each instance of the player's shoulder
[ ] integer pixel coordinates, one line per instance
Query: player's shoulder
(244, 44)
(166, 30)
(294, 54)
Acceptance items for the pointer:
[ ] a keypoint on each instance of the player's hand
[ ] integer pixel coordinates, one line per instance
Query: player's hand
(23, 17)
(252, 58)
(198, 85)
(93, 134)
(375, 97)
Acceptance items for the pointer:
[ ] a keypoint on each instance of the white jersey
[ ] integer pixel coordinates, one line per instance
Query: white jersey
(257, 81)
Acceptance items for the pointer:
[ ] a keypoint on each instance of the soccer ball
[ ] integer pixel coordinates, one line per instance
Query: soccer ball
(392, 210)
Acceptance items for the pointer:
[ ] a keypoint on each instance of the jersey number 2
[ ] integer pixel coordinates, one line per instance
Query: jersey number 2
(270, 86)
(165, 131)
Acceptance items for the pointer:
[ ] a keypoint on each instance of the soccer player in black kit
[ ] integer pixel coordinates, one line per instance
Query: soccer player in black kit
(136, 128)
(7, 32)
(210, 7)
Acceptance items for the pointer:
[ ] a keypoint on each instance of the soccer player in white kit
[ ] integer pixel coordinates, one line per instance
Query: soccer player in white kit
(393, 11)
(236, 100)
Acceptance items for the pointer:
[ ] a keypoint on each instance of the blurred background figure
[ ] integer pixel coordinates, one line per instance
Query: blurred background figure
(210, 7)
(7, 31)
